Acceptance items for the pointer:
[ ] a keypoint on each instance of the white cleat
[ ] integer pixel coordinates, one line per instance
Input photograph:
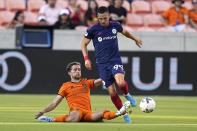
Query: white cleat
(123, 109)
(45, 119)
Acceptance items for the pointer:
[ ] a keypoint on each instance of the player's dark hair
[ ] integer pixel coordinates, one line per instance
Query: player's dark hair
(17, 15)
(69, 66)
(88, 14)
(173, 1)
(102, 10)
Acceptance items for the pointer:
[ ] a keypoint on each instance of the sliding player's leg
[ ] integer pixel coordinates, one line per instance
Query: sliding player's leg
(74, 116)
(102, 114)
(61, 118)
(106, 114)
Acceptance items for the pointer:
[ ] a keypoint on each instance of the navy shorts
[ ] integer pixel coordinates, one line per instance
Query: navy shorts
(107, 72)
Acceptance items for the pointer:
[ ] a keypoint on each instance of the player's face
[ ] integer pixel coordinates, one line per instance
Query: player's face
(75, 73)
(118, 3)
(103, 19)
(52, 2)
(21, 18)
(178, 3)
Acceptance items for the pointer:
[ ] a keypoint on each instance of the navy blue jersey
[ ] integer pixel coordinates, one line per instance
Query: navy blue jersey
(105, 41)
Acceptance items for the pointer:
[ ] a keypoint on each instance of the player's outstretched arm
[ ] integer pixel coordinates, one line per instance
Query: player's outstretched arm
(98, 82)
(129, 35)
(51, 106)
(84, 49)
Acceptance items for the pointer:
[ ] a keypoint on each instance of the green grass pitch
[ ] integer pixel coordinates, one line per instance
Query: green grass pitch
(171, 114)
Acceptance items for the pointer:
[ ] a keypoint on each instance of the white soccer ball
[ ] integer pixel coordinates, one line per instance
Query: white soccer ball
(147, 104)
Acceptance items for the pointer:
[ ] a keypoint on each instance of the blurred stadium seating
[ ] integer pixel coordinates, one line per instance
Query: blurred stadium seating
(62, 3)
(165, 29)
(2, 5)
(145, 29)
(35, 5)
(159, 6)
(188, 29)
(141, 7)
(14, 5)
(31, 18)
(6, 17)
(134, 20)
(143, 14)
(102, 3)
(153, 20)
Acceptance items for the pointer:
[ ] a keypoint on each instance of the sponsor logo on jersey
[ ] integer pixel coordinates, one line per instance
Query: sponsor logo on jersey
(100, 39)
(109, 37)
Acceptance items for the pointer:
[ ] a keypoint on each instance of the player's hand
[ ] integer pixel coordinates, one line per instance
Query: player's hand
(138, 42)
(88, 64)
(38, 115)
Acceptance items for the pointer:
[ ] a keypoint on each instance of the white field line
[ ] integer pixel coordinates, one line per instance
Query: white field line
(93, 124)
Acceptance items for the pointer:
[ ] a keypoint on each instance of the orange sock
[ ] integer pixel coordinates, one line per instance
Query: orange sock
(60, 118)
(109, 115)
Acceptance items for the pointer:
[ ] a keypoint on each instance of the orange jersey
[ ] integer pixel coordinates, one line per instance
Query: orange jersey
(173, 16)
(77, 94)
(193, 15)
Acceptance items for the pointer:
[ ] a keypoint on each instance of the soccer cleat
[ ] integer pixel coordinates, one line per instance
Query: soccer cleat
(127, 118)
(131, 99)
(123, 109)
(45, 119)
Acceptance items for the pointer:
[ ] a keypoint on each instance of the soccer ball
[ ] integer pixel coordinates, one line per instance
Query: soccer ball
(147, 104)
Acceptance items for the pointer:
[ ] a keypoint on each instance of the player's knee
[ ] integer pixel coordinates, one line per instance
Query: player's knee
(120, 83)
(73, 117)
(97, 116)
(112, 91)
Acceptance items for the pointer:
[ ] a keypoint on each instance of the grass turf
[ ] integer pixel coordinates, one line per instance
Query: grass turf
(171, 114)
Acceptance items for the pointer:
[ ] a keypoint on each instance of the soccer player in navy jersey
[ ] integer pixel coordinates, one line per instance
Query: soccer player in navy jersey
(104, 37)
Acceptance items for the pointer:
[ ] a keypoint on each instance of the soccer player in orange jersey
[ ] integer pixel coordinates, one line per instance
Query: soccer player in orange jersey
(77, 94)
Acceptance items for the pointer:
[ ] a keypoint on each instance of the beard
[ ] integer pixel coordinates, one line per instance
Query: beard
(78, 77)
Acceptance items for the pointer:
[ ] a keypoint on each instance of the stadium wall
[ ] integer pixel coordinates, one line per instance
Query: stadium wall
(152, 41)
(148, 73)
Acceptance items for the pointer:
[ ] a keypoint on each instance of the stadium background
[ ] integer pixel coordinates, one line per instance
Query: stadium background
(48, 65)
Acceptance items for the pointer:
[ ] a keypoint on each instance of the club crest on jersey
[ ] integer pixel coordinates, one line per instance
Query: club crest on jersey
(114, 31)
(100, 39)
(86, 34)
(84, 85)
